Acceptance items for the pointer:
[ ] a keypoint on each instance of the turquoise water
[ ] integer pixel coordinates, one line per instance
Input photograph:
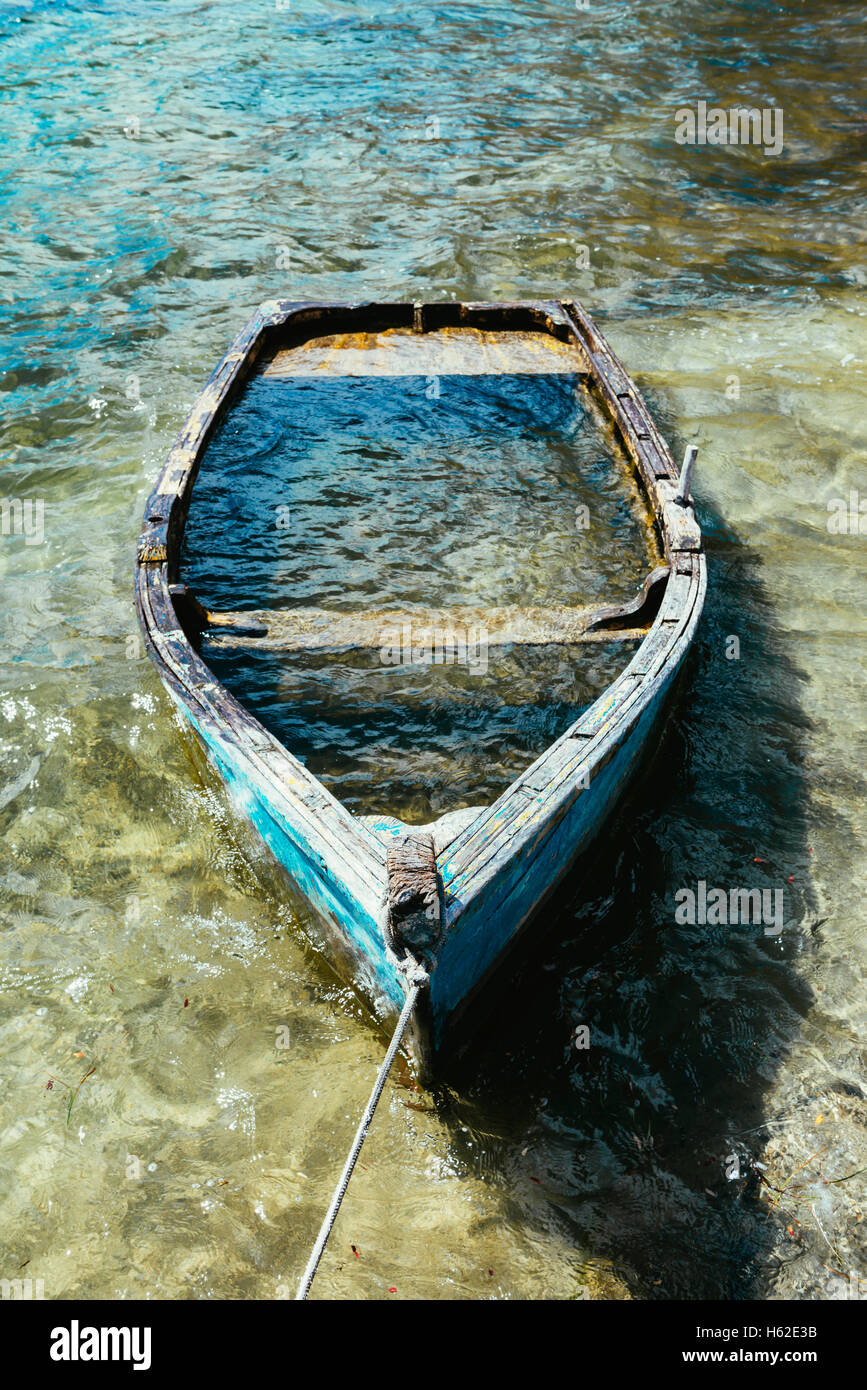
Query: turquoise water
(166, 169)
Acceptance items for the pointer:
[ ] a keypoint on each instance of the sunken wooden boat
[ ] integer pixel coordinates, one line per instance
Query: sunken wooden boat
(454, 895)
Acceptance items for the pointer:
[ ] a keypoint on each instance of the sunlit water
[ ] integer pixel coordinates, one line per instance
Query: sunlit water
(168, 167)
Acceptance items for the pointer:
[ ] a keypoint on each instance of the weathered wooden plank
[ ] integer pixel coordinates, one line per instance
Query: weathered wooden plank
(625, 402)
(479, 840)
(569, 758)
(654, 651)
(463, 351)
(443, 831)
(442, 636)
(682, 531)
(637, 418)
(166, 508)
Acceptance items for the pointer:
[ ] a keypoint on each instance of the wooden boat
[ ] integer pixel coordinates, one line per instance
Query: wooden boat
(453, 895)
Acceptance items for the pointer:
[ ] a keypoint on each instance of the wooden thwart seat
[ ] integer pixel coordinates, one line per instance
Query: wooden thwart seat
(445, 630)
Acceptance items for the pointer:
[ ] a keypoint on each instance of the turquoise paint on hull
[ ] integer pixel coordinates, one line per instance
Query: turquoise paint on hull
(486, 927)
(330, 898)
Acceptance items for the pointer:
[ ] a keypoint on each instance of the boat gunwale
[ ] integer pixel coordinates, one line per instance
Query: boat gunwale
(348, 851)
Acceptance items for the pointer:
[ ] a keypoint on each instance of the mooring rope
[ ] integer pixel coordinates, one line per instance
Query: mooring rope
(417, 981)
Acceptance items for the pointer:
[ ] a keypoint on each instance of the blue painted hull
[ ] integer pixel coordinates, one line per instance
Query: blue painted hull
(481, 932)
(493, 873)
(351, 934)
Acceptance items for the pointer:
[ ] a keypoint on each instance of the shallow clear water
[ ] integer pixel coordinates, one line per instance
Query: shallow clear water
(166, 169)
(376, 494)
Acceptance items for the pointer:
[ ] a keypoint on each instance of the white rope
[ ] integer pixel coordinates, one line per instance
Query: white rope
(418, 980)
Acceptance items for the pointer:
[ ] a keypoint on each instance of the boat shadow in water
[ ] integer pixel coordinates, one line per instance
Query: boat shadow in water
(636, 1139)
